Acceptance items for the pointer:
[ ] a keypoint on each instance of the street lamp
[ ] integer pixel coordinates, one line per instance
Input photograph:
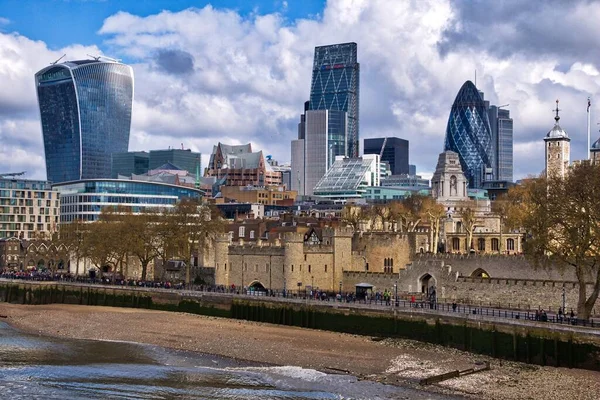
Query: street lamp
(396, 295)
(564, 301)
(340, 288)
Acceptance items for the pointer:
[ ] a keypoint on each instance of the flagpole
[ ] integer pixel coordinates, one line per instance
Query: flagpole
(588, 129)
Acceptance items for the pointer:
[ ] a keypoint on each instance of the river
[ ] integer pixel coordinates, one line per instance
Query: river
(33, 366)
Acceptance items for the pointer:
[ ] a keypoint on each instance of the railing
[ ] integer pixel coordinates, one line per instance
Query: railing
(333, 298)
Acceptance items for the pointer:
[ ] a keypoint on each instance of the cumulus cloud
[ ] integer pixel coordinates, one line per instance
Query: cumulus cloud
(207, 75)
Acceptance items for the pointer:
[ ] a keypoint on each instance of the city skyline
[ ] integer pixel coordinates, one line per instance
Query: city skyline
(250, 84)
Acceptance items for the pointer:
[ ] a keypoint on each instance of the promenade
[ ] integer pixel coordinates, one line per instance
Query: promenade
(461, 311)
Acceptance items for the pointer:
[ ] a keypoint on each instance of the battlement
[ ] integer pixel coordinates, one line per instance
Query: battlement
(471, 256)
(257, 250)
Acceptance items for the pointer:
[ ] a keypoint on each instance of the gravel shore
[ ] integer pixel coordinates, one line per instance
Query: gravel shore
(392, 361)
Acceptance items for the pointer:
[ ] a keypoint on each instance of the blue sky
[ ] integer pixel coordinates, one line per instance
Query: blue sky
(59, 23)
(239, 71)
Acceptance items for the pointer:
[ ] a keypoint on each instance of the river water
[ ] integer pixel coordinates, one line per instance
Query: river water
(39, 367)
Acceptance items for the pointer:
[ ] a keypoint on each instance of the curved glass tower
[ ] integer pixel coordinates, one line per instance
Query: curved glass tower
(85, 109)
(469, 134)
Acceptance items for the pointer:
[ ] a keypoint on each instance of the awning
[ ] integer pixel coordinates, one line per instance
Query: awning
(364, 285)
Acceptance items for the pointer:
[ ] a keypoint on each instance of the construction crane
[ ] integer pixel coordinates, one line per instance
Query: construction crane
(13, 174)
(382, 147)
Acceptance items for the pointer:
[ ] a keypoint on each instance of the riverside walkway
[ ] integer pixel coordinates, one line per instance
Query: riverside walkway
(553, 322)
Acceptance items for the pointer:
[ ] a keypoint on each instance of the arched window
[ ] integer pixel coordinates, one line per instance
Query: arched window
(495, 244)
(456, 244)
(481, 244)
(510, 244)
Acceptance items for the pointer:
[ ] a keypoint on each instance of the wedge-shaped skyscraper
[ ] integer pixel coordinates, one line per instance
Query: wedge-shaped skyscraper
(335, 86)
(85, 109)
(469, 134)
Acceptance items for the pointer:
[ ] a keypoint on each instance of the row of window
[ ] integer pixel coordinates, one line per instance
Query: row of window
(481, 244)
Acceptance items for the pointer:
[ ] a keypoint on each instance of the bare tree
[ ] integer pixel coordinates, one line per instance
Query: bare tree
(435, 213)
(467, 210)
(352, 216)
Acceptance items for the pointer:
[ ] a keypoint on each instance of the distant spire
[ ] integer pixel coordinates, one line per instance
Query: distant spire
(556, 118)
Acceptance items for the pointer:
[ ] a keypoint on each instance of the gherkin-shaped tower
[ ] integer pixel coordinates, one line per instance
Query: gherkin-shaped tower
(469, 134)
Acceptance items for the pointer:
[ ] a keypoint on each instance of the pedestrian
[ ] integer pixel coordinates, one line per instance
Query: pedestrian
(454, 306)
(560, 314)
(412, 300)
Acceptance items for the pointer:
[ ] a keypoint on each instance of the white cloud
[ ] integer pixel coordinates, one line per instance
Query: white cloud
(242, 79)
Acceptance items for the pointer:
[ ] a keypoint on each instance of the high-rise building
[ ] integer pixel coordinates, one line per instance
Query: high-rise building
(132, 162)
(392, 149)
(85, 109)
(469, 134)
(183, 158)
(501, 125)
(335, 86)
(325, 138)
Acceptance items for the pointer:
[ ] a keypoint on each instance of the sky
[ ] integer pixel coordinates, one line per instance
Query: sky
(239, 71)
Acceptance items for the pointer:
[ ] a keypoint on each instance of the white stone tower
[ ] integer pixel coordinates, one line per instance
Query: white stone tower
(448, 181)
(558, 150)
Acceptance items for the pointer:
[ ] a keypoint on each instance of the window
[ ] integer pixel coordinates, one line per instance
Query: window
(251, 234)
(456, 244)
(325, 268)
(309, 267)
(495, 244)
(510, 244)
(481, 244)
(242, 231)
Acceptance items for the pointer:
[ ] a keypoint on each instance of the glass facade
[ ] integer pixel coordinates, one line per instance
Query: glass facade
(469, 134)
(133, 162)
(84, 200)
(85, 109)
(335, 86)
(184, 159)
(395, 152)
(349, 178)
(505, 146)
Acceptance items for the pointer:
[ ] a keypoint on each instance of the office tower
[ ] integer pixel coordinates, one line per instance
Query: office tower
(501, 125)
(297, 170)
(85, 109)
(325, 138)
(183, 158)
(335, 86)
(469, 134)
(393, 150)
(412, 170)
(130, 163)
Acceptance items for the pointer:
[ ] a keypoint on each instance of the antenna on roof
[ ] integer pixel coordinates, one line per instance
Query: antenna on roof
(54, 63)
(97, 58)
(94, 57)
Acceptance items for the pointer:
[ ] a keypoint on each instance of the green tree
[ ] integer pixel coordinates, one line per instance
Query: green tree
(561, 219)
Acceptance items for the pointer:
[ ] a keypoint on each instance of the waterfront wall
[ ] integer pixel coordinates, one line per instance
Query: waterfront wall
(526, 343)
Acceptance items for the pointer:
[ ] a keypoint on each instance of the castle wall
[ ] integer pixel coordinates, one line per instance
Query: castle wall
(376, 247)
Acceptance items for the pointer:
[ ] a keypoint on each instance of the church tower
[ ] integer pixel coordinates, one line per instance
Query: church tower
(558, 149)
(595, 152)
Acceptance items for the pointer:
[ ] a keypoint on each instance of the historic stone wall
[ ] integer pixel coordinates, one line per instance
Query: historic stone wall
(376, 247)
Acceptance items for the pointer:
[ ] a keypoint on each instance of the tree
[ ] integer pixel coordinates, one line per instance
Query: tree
(466, 210)
(561, 218)
(435, 213)
(382, 211)
(352, 216)
(196, 226)
(144, 237)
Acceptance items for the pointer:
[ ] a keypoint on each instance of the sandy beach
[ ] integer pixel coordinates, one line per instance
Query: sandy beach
(397, 362)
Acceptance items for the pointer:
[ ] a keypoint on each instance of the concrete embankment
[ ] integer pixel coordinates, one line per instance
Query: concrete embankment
(532, 344)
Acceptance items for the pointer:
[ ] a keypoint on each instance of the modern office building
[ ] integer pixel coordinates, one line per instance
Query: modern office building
(325, 139)
(132, 162)
(269, 195)
(335, 87)
(405, 180)
(297, 168)
(392, 149)
(85, 109)
(84, 200)
(469, 134)
(183, 158)
(501, 125)
(348, 178)
(28, 209)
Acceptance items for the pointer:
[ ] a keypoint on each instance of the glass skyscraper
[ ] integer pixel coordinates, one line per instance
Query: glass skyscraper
(85, 109)
(335, 86)
(469, 134)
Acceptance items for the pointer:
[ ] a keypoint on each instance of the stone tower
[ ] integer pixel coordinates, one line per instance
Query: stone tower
(293, 260)
(558, 150)
(342, 255)
(448, 181)
(222, 264)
